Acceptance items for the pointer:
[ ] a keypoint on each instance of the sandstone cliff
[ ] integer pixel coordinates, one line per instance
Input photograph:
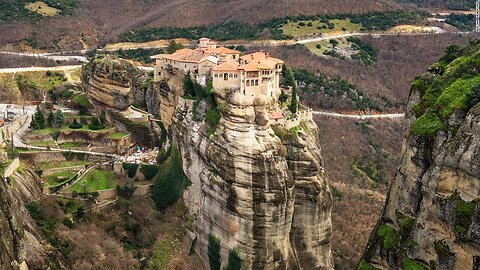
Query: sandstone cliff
(431, 218)
(260, 192)
(118, 84)
(115, 82)
(21, 241)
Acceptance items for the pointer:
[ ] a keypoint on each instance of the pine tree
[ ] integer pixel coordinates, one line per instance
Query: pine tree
(38, 121)
(289, 77)
(50, 119)
(59, 119)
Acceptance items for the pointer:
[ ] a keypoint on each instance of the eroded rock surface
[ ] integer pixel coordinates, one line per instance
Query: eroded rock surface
(432, 216)
(21, 241)
(115, 82)
(261, 192)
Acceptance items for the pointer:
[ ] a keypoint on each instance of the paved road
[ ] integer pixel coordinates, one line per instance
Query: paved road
(51, 56)
(313, 39)
(362, 116)
(30, 69)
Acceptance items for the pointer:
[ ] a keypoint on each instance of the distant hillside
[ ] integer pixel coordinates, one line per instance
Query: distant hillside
(449, 4)
(90, 21)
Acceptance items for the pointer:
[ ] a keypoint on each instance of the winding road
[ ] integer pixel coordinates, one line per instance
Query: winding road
(362, 116)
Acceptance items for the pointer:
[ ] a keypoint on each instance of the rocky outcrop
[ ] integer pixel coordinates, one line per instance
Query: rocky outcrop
(262, 193)
(21, 241)
(432, 216)
(115, 83)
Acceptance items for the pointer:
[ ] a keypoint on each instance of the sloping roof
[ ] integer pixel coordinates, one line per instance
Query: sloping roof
(222, 50)
(257, 65)
(276, 115)
(261, 56)
(227, 66)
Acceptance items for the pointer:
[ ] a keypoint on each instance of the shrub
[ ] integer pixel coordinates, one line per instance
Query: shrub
(149, 171)
(125, 191)
(428, 125)
(212, 118)
(75, 124)
(170, 182)
(473, 97)
(318, 46)
(131, 169)
(301, 24)
(214, 252)
(389, 235)
(95, 124)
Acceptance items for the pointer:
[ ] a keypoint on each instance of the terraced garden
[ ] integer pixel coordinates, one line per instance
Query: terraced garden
(62, 164)
(58, 178)
(95, 180)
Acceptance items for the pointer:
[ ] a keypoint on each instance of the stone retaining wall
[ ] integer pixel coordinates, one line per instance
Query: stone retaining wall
(11, 168)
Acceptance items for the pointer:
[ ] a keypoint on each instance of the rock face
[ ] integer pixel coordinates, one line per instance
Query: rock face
(262, 193)
(115, 83)
(432, 216)
(21, 241)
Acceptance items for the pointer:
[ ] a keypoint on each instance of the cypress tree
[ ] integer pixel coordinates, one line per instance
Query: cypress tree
(293, 104)
(214, 252)
(50, 119)
(234, 261)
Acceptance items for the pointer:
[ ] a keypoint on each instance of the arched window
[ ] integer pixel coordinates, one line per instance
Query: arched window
(225, 76)
(248, 82)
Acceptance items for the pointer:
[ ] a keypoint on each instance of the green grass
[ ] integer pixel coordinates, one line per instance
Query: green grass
(95, 180)
(389, 235)
(40, 79)
(44, 143)
(162, 253)
(62, 164)
(409, 264)
(117, 135)
(428, 125)
(58, 178)
(69, 145)
(50, 130)
(366, 266)
(454, 96)
(325, 45)
(295, 29)
(82, 101)
(445, 88)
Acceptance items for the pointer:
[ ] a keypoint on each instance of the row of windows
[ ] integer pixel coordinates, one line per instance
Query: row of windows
(225, 76)
(252, 82)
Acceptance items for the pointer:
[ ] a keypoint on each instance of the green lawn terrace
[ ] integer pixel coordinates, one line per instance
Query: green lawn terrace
(95, 180)
(105, 140)
(57, 179)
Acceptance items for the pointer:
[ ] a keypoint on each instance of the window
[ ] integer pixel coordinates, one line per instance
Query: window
(225, 76)
(256, 82)
(235, 75)
(248, 82)
(230, 75)
(234, 56)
